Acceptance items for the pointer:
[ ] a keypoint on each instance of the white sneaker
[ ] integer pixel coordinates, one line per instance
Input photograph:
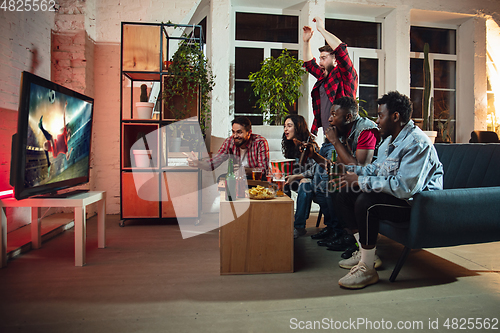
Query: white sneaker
(354, 260)
(359, 277)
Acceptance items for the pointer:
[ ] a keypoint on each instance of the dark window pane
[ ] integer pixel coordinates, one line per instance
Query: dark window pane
(488, 84)
(368, 71)
(370, 96)
(444, 104)
(203, 24)
(440, 40)
(276, 53)
(444, 74)
(256, 120)
(267, 28)
(247, 60)
(416, 98)
(244, 98)
(356, 33)
(416, 72)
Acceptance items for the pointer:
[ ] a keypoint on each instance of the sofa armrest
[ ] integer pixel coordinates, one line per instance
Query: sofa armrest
(455, 217)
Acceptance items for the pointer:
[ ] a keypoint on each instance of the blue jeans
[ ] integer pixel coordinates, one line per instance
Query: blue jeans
(304, 200)
(327, 208)
(317, 191)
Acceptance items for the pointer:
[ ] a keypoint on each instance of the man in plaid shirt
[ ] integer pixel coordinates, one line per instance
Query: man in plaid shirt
(251, 149)
(336, 78)
(335, 73)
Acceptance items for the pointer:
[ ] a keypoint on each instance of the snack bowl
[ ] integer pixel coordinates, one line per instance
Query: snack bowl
(261, 193)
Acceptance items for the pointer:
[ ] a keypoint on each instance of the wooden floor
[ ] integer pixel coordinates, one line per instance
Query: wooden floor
(150, 279)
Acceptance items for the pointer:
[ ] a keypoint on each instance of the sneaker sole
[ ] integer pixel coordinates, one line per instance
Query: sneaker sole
(360, 286)
(378, 263)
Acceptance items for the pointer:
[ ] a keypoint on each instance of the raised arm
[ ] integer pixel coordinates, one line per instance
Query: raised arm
(307, 33)
(330, 38)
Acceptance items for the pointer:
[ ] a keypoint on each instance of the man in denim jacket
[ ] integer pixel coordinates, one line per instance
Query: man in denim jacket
(407, 164)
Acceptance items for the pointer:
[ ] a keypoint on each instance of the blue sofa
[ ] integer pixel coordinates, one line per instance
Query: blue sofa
(466, 211)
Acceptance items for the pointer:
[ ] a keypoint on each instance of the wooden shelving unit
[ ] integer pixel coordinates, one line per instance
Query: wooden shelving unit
(151, 191)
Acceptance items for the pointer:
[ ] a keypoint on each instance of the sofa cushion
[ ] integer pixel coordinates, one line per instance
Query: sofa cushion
(470, 165)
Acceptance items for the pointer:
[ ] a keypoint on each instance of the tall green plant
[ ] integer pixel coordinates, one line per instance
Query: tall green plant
(277, 85)
(427, 101)
(190, 74)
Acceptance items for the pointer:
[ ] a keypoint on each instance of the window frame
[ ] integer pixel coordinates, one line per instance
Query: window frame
(432, 58)
(266, 46)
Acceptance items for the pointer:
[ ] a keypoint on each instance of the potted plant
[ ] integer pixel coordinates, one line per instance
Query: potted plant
(277, 85)
(190, 77)
(427, 101)
(144, 108)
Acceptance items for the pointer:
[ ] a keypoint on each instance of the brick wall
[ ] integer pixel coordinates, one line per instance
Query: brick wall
(24, 46)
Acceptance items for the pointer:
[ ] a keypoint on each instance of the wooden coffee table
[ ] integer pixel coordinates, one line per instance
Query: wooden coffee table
(256, 236)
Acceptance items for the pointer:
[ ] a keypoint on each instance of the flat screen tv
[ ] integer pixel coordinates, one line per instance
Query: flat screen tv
(51, 149)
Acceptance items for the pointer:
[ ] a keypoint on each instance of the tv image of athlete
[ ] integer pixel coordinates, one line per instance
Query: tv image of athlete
(57, 145)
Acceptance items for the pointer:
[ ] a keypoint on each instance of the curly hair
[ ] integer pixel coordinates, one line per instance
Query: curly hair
(288, 147)
(395, 101)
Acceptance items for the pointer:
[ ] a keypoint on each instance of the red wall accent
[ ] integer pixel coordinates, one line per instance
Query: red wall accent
(8, 126)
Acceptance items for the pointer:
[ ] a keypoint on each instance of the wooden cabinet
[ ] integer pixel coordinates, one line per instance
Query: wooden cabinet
(162, 185)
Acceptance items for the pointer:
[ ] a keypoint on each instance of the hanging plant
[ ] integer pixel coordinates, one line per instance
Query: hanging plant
(190, 74)
(277, 85)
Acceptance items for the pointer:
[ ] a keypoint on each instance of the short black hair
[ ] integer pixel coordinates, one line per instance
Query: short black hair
(243, 121)
(349, 104)
(397, 102)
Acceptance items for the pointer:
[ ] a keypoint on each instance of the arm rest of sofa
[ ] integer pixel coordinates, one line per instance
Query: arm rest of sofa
(454, 217)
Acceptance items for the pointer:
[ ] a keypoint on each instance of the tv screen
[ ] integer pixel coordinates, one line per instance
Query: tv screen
(51, 148)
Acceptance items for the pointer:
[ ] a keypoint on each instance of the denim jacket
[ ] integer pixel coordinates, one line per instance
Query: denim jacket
(361, 124)
(404, 167)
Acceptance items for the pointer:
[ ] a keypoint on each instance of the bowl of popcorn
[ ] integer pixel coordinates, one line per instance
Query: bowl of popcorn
(261, 193)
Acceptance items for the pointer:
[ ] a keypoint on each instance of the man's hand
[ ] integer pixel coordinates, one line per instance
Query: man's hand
(332, 134)
(192, 160)
(307, 33)
(292, 178)
(350, 178)
(320, 25)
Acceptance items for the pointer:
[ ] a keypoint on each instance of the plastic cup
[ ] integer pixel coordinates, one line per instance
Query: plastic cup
(281, 186)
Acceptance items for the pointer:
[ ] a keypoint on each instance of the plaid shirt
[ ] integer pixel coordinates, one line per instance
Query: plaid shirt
(257, 152)
(341, 81)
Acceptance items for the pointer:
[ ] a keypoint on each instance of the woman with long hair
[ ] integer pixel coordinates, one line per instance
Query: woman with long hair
(295, 134)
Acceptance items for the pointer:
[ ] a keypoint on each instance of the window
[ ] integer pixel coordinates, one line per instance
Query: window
(356, 33)
(364, 42)
(257, 37)
(267, 28)
(443, 62)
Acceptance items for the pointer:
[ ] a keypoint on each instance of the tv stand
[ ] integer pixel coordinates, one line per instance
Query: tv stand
(60, 195)
(78, 201)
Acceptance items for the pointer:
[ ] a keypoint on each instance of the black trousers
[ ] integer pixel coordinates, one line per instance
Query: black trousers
(362, 211)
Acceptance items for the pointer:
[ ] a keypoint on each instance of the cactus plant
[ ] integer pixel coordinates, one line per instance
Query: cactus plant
(144, 93)
(427, 101)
